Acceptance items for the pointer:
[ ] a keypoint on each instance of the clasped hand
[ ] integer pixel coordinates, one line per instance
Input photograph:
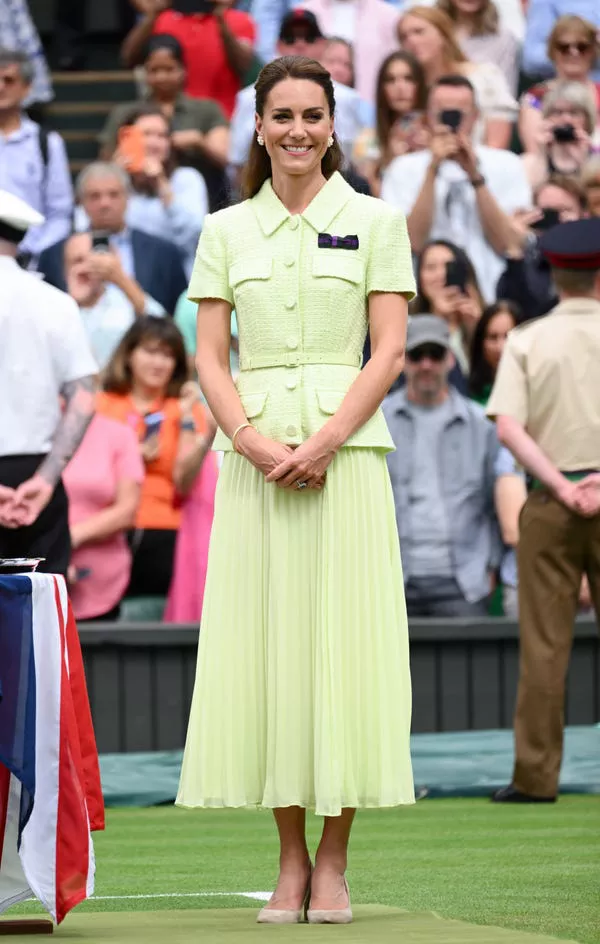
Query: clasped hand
(20, 507)
(583, 497)
(287, 465)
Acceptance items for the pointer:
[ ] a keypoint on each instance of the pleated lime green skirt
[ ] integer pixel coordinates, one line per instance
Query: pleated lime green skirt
(302, 694)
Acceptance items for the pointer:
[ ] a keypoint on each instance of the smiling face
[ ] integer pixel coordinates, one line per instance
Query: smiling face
(152, 365)
(421, 38)
(296, 125)
(399, 87)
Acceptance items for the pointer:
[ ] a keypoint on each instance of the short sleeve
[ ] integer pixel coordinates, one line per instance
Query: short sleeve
(128, 460)
(211, 115)
(210, 278)
(75, 356)
(389, 268)
(506, 464)
(509, 395)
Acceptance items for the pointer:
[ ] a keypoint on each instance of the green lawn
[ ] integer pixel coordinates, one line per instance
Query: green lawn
(534, 868)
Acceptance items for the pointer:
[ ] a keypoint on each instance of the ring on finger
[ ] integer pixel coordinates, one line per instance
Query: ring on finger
(300, 485)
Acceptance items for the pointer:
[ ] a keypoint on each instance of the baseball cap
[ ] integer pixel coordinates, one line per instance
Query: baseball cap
(427, 329)
(303, 19)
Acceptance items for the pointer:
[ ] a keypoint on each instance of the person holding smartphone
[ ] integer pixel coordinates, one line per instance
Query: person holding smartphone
(145, 388)
(217, 42)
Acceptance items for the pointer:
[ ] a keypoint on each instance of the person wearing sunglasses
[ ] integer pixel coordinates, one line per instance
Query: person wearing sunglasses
(443, 476)
(573, 54)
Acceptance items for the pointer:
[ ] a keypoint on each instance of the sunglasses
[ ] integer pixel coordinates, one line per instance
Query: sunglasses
(433, 352)
(581, 48)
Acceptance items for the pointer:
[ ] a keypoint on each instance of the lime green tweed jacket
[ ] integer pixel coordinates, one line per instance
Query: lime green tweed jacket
(302, 308)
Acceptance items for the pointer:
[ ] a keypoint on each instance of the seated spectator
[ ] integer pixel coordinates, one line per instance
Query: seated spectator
(199, 129)
(155, 264)
(590, 181)
(457, 191)
(144, 388)
(103, 483)
(443, 477)
(482, 39)
(166, 200)
(185, 319)
(510, 493)
(217, 48)
(33, 162)
(542, 19)
(400, 103)
(300, 35)
(106, 314)
(428, 33)
(526, 279)
(440, 266)
(564, 137)
(572, 50)
(369, 27)
(510, 15)
(18, 33)
(487, 344)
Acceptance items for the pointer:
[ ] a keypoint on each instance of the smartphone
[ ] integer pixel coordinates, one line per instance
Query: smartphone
(564, 133)
(549, 219)
(152, 423)
(132, 146)
(456, 275)
(451, 118)
(100, 241)
(190, 7)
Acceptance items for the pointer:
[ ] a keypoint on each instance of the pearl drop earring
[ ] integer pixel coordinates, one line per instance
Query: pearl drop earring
(260, 140)
(330, 140)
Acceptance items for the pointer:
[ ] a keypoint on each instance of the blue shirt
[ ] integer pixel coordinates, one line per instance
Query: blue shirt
(47, 189)
(541, 17)
(506, 464)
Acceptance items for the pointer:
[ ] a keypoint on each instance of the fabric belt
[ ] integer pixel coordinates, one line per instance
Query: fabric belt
(298, 359)
(571, 476)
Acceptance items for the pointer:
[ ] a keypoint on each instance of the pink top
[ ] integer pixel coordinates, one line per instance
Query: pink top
(109, 453)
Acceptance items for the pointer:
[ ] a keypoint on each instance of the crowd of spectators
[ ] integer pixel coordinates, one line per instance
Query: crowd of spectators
(478, 119)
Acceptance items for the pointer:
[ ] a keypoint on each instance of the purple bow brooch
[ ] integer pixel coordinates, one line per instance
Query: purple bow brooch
(326, 241)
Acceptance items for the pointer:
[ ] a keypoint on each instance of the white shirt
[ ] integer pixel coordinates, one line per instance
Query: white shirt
(109, 319)
(455, 216)
(43, 347)
(344, 14)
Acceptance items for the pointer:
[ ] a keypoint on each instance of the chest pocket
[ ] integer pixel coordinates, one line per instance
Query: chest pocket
(339, 264)
(250, 270)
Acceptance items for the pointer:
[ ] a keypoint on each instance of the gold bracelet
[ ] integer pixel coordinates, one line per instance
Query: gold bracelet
(238, 430)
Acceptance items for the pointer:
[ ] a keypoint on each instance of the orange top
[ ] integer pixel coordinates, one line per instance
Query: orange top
(158, 508)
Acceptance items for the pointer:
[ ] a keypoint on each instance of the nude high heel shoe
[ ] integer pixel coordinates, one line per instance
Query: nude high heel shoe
(283, 916)
(335, 916)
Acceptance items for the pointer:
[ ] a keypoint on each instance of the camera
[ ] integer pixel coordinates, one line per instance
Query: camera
(451, 118)
(564, 133)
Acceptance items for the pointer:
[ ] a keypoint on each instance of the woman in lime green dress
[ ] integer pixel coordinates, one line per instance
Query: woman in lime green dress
(302, 697)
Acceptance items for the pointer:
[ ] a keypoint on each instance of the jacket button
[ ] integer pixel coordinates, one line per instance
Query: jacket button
(291, 384)
(294, 221)
(291, 303)
(291, 431)
(292, 343)
(289, 261)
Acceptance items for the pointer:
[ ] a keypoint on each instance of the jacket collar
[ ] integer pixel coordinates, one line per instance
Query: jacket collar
(322, 209)
(577, 306)
(400, 403)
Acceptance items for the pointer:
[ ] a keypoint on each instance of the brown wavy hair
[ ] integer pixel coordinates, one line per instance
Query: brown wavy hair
(453, 54)
(258, 167)
(384, 116)
(485, 21)
(118, 376)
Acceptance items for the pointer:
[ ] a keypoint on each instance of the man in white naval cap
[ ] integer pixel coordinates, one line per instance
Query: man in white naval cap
(45, 360)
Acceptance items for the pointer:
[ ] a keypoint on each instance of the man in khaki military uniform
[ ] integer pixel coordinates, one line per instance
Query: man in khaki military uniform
(546, 402)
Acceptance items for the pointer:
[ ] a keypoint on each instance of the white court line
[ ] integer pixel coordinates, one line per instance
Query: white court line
(259, 896)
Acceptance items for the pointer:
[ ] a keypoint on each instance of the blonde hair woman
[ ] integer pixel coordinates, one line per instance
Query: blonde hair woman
(564, 138)
(428, 33)
(482, 38)
(573, 48)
